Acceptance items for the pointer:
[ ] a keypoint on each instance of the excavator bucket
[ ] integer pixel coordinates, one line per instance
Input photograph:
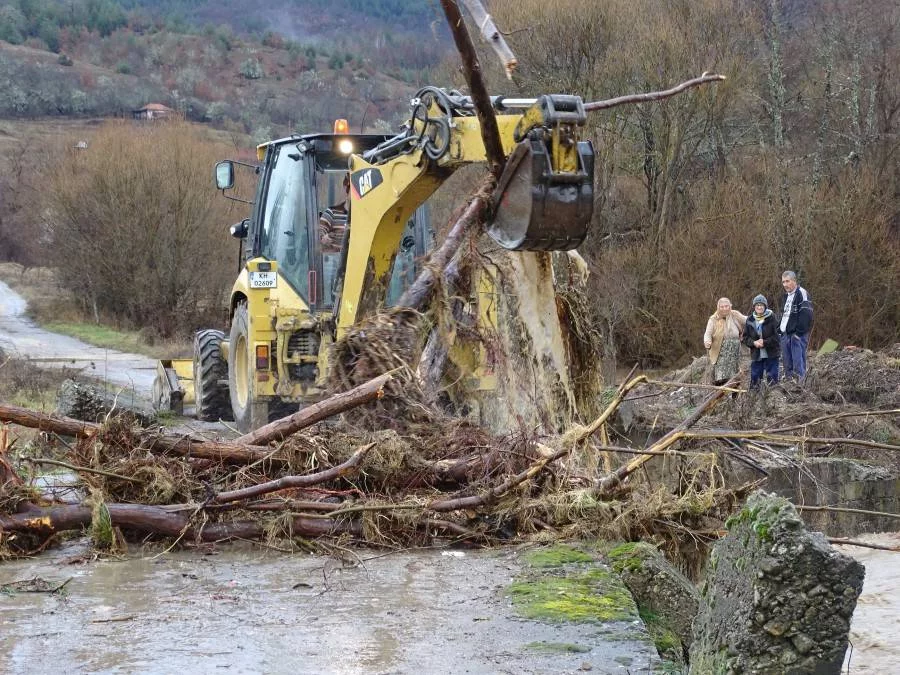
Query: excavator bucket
(539, 209)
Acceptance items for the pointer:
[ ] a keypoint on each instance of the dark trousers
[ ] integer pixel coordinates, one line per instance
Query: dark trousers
(768, 366)
(793, 353)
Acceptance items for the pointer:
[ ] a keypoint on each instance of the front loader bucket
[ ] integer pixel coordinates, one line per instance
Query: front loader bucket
(536, 209)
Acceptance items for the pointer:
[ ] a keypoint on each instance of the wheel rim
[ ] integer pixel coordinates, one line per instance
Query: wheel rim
(198, 385)
(241, 372)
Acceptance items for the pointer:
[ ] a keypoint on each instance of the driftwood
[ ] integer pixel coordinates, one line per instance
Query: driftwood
(490, 133)
(55, 424)
(287, 482)
(246, 449)
(159, 520)
(612, 480)
(492, 35)
(331, 406)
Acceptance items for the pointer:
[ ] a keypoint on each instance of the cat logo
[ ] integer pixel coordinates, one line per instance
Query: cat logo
(365, 181)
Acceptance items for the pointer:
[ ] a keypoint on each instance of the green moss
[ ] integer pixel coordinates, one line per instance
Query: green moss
(557, 556)
(666, 641)
(595, 595)
(557, 648)
(628, 556)
(761, 518)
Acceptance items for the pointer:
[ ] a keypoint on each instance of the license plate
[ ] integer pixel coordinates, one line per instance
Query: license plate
(263, 280)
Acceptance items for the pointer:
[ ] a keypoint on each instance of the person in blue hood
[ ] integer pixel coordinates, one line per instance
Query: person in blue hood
(761, 335)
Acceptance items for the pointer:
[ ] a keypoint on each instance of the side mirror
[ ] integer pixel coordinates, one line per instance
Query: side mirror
(225, 175)
(239, 230)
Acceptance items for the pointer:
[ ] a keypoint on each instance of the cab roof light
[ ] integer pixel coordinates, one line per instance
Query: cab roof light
(341, 126)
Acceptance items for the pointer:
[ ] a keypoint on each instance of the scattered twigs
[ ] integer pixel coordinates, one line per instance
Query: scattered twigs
(333, 405)
(620, 394)
(781, 439)
(612, 480)
(653, 95)
(33, 585)
(80, 469)
(492, 35)
(688, 385)
(287, 482)
(494, 493)
(841, 509)
(826, 418)
(741, 455)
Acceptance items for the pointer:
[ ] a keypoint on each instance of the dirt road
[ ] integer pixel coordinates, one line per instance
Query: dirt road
(130, 374)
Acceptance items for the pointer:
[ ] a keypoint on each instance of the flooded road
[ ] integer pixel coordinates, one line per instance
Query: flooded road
(241, 610)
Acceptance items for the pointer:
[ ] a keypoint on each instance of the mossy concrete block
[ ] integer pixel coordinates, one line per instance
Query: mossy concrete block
(777, 598)
(663, 594)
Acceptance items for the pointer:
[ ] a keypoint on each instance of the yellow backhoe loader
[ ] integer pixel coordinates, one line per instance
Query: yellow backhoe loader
(315, 259)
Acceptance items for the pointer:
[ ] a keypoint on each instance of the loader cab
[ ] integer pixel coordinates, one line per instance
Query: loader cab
(299, 179)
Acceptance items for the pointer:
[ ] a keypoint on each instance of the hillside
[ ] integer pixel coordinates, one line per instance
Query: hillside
(294, 67)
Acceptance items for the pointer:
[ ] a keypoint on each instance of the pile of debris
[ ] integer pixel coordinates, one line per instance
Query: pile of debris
(354, 468)
(426, 478)
(851, 394)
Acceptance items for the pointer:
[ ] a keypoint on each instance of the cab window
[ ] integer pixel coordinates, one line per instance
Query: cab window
(284, 233)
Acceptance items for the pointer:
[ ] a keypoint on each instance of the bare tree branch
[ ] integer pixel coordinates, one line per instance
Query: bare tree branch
(492, 35)
(653, 95)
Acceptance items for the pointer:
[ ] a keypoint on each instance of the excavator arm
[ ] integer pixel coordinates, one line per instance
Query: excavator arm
(543, 201)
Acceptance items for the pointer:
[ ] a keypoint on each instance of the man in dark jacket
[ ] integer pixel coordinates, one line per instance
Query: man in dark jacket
(761, 335)
(796, 322)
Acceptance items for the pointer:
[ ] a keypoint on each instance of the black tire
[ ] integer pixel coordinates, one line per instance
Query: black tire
(249, 414)
(210, 375)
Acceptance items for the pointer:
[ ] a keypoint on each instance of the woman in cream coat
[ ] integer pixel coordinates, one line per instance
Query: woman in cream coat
(722, 340)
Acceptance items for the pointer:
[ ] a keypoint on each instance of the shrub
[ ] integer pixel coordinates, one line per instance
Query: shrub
(137, 228)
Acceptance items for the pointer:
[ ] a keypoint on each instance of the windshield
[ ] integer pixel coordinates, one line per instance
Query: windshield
(284, 235)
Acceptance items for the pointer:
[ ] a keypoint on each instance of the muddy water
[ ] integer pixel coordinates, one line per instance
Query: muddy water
(245, 611)
(873, 632)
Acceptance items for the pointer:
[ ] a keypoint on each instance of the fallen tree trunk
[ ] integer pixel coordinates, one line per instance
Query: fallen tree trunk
(55, 424)
(182, 446)
(166, 521)
(246, 449)
(333, 405)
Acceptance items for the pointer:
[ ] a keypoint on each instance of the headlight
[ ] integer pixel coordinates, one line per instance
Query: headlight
(345, 146)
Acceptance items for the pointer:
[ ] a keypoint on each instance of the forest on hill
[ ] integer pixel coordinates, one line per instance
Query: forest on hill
(791, 163)
(291, 65)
